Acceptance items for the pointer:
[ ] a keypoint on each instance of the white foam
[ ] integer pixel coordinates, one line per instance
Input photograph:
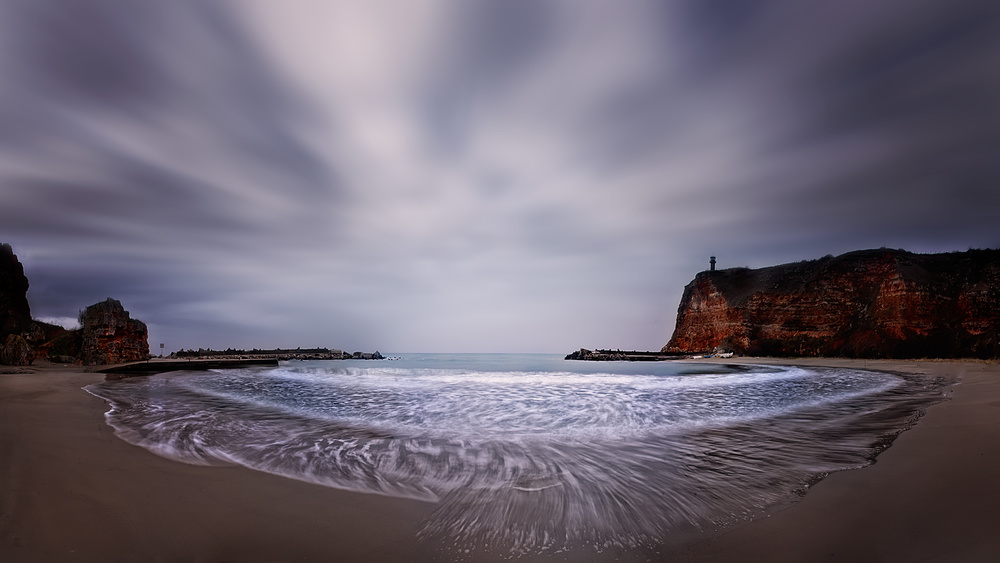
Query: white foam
(529, 459)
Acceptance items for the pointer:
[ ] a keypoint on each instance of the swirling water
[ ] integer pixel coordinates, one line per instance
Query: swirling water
(531, 453)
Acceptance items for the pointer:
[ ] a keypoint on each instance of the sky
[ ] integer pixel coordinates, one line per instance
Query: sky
(477, 176)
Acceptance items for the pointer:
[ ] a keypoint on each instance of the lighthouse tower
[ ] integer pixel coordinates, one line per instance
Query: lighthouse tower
(711, 264)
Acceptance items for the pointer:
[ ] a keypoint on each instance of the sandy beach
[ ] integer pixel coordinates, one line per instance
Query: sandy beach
(71, 491)
(932, 496)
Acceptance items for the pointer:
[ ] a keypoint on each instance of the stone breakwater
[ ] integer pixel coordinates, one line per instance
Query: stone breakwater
(867, 304)
(162, 366)
(277, 354)
(622, 356)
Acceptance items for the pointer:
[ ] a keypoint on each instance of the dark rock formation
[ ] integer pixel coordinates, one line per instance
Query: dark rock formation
(15, 316)
(15, 351)
(109, 336)
(58, 342)
(867, 304)
(45, 332)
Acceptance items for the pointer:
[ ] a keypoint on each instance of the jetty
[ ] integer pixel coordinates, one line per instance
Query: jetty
(151, 367)
(623, 356)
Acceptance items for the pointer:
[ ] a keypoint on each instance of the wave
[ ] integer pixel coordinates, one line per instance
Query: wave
(523, 461)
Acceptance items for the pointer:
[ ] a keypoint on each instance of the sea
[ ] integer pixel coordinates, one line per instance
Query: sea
(529, 453)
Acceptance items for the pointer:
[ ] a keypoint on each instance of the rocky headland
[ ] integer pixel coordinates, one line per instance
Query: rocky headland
(881, 303)
(107, 335)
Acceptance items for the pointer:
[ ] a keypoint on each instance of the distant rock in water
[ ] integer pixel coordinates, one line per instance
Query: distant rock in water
(867, 304)
(110, 336)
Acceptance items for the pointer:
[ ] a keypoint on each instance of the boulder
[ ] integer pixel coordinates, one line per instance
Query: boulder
(110, 336)
(15, 351)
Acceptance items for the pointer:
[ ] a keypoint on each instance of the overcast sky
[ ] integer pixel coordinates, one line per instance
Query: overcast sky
(517, 175)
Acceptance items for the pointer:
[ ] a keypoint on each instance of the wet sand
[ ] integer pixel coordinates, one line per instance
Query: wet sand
(71, 491)
(934, 495)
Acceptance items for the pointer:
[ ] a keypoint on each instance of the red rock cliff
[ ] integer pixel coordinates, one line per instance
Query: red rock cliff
(870, 303)
(110, 336)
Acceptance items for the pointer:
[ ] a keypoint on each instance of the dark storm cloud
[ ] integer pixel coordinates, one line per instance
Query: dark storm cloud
(87, 79)
(866, 123)
(135, 60)
(854, 125)
(141, 130)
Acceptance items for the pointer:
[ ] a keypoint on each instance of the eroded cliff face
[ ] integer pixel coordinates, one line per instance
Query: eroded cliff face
(110, 336)
(15, 315)
(872, 303)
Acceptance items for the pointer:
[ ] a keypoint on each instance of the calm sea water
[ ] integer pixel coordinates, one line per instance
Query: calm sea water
(531, 453)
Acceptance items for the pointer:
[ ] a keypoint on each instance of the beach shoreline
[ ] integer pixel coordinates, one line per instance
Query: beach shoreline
(931, 496)
(72, 491)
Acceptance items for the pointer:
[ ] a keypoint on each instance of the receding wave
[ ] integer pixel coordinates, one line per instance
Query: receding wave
(526, 461)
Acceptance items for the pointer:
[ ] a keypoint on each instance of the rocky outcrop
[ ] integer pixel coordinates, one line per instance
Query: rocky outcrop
(110, 336)
(872, 304)
(15, 315)
(14, 351)
(57, 344)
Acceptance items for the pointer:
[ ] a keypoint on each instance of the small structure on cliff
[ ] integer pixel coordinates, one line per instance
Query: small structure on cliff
(15, 351)
(868, 304)
(711, 264)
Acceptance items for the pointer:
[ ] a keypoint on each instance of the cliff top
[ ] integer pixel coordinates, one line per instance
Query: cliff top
(739, 284)
(869, 303)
